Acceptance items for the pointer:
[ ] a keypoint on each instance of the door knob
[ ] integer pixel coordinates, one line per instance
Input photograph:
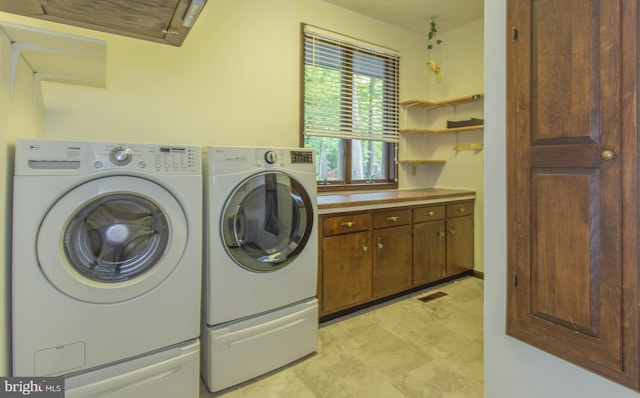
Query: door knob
(607, 154)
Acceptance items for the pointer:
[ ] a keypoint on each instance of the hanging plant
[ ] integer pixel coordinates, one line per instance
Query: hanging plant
(432, 36)
(432, 40)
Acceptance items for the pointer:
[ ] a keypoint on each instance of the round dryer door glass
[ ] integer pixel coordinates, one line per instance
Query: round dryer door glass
(266, 221)
(116, 238)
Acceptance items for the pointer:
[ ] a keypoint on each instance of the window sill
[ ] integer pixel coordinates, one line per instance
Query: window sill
(356, 187)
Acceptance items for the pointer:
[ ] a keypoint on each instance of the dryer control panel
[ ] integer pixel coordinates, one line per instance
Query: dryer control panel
(52, 157)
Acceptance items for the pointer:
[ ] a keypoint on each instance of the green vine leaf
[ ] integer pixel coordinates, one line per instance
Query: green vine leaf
(431, 36)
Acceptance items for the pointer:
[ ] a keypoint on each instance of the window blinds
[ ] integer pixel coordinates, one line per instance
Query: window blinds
(350, 88)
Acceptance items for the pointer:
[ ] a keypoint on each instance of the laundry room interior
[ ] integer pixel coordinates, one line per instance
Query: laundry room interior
(236, 81)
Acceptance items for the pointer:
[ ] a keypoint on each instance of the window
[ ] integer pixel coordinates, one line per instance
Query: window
(350, 111)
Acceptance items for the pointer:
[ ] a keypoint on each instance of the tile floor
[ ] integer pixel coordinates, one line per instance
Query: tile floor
(403, 348)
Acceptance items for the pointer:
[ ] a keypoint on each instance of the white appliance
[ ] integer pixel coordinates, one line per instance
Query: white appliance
(107, 241)
(261, 255)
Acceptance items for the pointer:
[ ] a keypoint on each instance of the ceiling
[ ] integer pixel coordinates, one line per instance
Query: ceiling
(415, 15)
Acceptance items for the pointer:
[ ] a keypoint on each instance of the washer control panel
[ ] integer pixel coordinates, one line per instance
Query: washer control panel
(152, 158)
(53, 157)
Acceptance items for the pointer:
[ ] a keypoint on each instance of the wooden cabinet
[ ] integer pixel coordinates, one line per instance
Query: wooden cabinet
(392, 252)
(442, 241)
(370, 255)
(572, 139)
(346, 271)
(459, 237)
(162, 21)
(429, 244)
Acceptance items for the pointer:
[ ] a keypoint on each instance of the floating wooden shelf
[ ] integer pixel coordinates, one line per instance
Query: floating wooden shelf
(440, 131)
(438, 104)
(467, 147)
(422, 161)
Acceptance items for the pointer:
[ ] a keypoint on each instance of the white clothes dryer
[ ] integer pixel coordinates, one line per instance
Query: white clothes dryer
(261, 255)
(261, 249)
(107, 241)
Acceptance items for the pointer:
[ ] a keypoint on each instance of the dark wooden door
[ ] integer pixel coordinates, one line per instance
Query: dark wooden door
(567, 138)
(429, 250)
(391, 260)
(347, 272)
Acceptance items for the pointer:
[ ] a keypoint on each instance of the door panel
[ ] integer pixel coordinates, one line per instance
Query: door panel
(429, 250)
(392, 260)
(564, 263)
(347, 272)
(459, 245)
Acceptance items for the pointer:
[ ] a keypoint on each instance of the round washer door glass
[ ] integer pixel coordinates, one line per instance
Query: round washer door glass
(266, 221)
(112, 239)
(116, 238)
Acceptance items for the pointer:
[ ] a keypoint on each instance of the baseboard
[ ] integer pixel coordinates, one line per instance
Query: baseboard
(477, 274)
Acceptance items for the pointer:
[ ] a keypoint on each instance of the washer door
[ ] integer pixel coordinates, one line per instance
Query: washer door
(112, 239)
(266, 221)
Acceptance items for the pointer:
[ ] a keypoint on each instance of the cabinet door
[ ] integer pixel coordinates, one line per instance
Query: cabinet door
(155, 20)
(346, 269)
(571, 105)
(428, 252)
(459, 245)
(391, 260)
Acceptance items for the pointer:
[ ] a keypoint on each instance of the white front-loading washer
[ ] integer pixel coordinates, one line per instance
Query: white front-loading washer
(261, 256)
(106, 253)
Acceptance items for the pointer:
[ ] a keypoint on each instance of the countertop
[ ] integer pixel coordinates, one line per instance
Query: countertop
(327, 203)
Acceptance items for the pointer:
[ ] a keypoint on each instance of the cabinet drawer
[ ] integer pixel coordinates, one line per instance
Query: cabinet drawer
(428, 213)
(345, 224)
(459, 209)
(391, 218)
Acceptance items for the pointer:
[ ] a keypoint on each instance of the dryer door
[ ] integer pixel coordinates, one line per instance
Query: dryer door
(112, 239)
(267, 221)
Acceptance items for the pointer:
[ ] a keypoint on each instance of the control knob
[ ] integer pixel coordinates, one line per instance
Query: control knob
(270, 157)
(120, 155)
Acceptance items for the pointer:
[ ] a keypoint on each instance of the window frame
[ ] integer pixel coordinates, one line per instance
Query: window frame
(346, 182)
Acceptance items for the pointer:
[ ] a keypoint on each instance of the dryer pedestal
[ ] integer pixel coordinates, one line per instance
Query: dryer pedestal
(238, 351)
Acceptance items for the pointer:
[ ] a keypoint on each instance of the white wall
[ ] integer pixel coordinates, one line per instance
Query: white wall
(512, 368)
(235, 81)
(20, 116)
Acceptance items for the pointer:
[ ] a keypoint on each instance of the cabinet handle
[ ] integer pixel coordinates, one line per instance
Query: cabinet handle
(364, 247)
(440, 234)
(348, 224)
(429, 213)
(379, 245)
(461, 209)
(451, 231)
(393, 218)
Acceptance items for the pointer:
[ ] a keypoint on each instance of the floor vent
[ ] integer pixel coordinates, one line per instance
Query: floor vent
(432, 296)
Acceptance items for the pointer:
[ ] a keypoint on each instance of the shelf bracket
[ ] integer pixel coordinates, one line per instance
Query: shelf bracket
(16, 51)
(42, 50)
